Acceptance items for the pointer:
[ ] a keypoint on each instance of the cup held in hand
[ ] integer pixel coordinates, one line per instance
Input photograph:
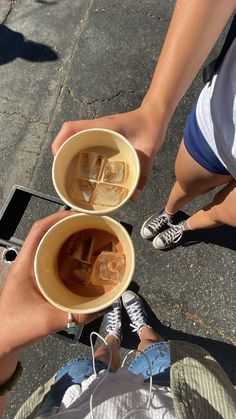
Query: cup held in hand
(48, 275)
(96, 171)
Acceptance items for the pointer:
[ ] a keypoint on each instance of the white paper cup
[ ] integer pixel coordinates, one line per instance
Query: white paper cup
(112, 146)
(46, 262)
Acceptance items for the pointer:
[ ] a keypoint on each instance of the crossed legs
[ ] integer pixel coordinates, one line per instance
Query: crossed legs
(193, 180)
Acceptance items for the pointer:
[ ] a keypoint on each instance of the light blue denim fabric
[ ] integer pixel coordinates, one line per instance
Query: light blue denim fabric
(73, 372)
(159, 357)
(78, 370)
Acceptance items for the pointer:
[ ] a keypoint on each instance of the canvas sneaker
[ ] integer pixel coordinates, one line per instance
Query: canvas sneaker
(169, 237)
(155, 224)
(135, 310)
(113, 320)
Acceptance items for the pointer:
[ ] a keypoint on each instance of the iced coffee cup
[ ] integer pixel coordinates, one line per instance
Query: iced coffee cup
(90, 263)
(96, 171)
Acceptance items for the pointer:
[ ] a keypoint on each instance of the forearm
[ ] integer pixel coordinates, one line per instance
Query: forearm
(7, 368)
(193, 31)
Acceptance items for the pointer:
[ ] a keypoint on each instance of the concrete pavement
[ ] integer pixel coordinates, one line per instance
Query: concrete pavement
(62, 60)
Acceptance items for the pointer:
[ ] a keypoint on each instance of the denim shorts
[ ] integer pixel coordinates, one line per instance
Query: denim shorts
(78, 370)
(158, 355)
(198, 148)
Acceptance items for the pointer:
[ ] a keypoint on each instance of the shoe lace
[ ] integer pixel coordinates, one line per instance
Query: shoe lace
(135, 312)
(172, 235)
(159, 221)
(114, 320)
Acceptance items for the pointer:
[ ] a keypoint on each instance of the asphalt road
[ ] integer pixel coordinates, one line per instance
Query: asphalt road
(63, 60)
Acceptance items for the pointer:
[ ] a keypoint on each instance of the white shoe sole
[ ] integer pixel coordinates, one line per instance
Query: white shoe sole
(142, 230)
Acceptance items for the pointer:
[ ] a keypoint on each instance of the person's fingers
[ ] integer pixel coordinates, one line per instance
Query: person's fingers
(67, 130)
(36, 233)
(141, 183)
(136, 195)
(145, 168)
(70, 128)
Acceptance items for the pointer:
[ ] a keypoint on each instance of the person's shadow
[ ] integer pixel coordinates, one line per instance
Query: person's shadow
(223, 352)
(14, 45)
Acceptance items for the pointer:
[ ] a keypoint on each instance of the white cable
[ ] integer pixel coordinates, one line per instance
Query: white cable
(140, 409)
(94, 368)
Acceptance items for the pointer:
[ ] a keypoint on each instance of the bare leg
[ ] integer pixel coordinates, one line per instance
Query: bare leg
(148, 337)
(191, 180)
(103, 354)
(222, 210)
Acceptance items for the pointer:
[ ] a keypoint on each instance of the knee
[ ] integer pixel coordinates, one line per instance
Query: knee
(214, 215)
(220, 214)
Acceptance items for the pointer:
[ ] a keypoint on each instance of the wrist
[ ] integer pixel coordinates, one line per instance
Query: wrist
(154, 121)
(8, 333)
(156, 110)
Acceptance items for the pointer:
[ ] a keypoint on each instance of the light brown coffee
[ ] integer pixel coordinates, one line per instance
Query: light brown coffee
(91, 262)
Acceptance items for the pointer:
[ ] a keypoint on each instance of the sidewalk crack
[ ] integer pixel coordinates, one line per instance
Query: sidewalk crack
(103, 9)
(137, 11)
(11, 8)
(30, 121)
(9, 147)
(88, 102)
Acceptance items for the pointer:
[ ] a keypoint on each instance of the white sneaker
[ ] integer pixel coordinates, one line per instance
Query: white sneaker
(169, 237)
(113, 320)
(135, 310)
(155, 224)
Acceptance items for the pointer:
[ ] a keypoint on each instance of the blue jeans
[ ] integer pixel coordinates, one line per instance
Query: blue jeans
(78, 370)
(158, 355)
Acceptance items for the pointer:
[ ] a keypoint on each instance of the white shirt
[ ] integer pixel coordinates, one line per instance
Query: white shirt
(118, 394)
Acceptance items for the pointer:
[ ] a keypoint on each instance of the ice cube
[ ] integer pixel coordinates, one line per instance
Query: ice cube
(75, 271)
(89, 165)
(115, 172)
(80, 247)
(103, 241)
(109, 268)
(109, 195)
(106, 246)
(82, 190)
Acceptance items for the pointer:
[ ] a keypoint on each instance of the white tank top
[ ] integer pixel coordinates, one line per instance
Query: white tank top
(216, 112)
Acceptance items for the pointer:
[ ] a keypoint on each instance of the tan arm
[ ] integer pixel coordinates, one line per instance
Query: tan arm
(7, 368)
(193, 31)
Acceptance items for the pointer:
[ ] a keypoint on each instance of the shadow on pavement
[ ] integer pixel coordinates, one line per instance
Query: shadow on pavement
(96, 325)
(14, 45)
(223, 352)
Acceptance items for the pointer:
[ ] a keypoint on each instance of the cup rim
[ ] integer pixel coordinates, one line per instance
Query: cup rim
(102, 306)
(104, 211)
